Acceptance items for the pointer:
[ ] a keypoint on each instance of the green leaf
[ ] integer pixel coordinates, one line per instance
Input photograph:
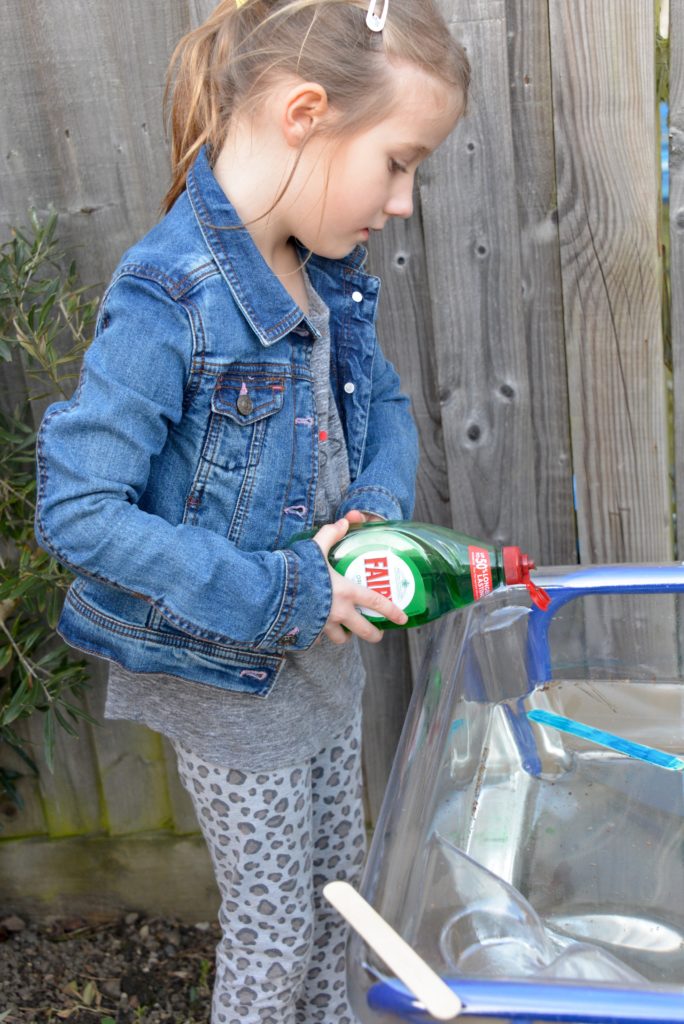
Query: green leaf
(79, 712)
(64, 722)
(21, 700)
(35, 221)
(53, 608)
(22, 753)
(7, 786)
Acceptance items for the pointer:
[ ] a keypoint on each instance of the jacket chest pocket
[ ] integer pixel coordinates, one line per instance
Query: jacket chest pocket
(243, 404)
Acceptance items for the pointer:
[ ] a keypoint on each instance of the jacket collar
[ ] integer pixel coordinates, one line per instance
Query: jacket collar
(267, 305)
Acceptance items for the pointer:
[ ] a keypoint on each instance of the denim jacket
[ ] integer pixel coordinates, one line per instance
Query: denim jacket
(174, 478)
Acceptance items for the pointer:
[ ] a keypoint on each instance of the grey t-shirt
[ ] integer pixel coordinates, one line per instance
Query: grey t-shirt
(317, 692)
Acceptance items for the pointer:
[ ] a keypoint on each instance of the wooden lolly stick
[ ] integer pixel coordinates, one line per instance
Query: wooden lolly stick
(436, 996)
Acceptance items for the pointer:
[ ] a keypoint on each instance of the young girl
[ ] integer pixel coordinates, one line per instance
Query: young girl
(235, 396)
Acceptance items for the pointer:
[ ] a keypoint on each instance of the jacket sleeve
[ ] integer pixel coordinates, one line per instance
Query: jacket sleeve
(385, 484)
(94, 454)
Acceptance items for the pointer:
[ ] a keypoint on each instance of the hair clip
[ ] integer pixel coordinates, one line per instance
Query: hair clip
(239, 3)
(375, 22)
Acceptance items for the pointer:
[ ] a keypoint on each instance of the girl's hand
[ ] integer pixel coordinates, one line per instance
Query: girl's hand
(347, 595)
(362, 517)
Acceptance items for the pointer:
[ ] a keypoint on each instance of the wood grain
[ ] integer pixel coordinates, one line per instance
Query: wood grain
(470, 220)
(604, 116)
(529, 65)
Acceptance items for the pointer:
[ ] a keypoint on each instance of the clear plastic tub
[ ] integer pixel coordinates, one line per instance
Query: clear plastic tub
(531, 842)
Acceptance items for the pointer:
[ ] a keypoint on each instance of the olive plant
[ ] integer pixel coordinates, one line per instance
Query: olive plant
(45, 322)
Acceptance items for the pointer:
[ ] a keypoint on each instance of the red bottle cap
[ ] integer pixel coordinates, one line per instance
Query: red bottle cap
(517, 567)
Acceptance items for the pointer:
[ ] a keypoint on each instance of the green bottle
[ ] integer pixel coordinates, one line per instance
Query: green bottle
(427, 570)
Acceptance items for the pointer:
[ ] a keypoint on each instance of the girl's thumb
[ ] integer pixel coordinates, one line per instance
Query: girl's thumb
(330, 534)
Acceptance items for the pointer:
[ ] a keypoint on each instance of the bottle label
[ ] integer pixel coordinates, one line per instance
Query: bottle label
(383, 571)
(480, 571)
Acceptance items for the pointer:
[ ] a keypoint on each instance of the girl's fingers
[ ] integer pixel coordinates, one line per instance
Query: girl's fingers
(330, 534)
(365, 598)
(340, 632)
(335, 633)
(355, 516)
(363, 628)
(346, 610)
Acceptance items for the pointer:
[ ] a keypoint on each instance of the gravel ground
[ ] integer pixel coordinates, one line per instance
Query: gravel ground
(135, 969)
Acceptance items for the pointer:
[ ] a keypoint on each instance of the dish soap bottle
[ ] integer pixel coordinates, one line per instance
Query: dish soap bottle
(427, 570)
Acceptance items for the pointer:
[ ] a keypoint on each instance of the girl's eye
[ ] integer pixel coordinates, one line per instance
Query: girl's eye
(397, 168)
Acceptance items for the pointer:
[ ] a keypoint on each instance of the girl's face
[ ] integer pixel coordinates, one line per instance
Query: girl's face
(348, 188)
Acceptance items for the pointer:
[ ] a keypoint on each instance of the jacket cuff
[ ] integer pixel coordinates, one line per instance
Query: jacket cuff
(307, 598)
(371, 499)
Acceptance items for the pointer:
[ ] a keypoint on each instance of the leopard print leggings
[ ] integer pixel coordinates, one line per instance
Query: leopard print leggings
(276, 838)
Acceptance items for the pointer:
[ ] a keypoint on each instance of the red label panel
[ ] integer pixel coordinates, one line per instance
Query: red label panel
(480, 571)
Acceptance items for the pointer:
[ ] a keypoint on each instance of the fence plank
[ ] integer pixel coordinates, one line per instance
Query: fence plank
(535, 175)
(70, 795)
(28, 820)
(385, 700)
(182, 811)
(131, 769)
(405, 333)
(158, 874)
(676, 105)
(81, 122)
(604, 103)
(471, 230)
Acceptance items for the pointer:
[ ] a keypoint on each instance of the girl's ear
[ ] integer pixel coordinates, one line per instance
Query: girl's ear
(306, 104)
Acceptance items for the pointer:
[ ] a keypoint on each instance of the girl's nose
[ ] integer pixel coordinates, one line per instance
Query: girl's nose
(400, 203)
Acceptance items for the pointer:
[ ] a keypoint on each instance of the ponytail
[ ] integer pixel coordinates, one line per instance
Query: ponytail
(197, 113)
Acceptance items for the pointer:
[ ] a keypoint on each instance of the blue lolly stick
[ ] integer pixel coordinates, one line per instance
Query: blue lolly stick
(608, 739)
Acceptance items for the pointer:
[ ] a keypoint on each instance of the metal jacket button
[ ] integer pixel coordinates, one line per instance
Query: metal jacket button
(349, 388)
(357, 296)
(244, 402)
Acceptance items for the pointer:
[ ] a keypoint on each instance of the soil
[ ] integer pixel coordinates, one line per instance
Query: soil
(135, 969)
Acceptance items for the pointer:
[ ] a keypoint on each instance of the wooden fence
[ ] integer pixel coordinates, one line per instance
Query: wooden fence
(522, 304)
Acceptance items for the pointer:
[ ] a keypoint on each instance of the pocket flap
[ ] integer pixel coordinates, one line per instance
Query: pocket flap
(248, 396)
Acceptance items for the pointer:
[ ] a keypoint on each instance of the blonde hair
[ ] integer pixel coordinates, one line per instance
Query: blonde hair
(233, 57)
